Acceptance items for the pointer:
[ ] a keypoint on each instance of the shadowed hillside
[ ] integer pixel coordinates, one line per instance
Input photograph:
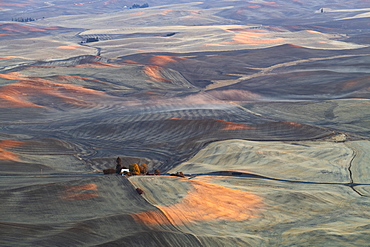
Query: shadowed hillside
(70, 215)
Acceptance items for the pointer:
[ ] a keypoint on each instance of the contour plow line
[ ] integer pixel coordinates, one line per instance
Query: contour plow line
(168, 218)
(268, 70)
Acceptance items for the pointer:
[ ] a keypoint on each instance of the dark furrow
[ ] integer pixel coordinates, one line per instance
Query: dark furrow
(350, 173)
(256, 176)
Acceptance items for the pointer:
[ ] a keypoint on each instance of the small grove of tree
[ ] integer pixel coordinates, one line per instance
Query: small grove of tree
(178, 174)
(92, 39)
(21, 19)
(118, 165)
(109, 171)
(134, 169)
(136, 6)
(143, 169)
(157, 172)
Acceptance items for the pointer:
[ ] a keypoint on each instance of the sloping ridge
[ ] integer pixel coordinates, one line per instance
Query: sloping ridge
(73, 61)
(94, 211)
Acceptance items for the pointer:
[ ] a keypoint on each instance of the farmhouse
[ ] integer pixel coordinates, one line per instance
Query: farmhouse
(124, 170)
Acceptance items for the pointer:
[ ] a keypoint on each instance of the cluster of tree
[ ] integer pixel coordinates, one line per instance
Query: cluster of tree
(94, 39)
(133, 169)
(109, 171)
(178, 174)
(136, 169)
(21, 19)
(136, 6)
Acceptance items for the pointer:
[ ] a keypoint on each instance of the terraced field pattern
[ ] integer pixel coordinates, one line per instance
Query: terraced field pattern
(263, 106)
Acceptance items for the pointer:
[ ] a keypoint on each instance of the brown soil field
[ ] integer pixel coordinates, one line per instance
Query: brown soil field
(264, 106)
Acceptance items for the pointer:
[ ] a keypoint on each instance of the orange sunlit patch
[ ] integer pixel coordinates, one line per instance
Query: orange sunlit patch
(46, 86)
(271, 4)
(101, 64)
(163, 60)
(7, 155)
(35, 29)
(12, 96)
(80, 187)
(13, 4)
(9, 101)
(240, 12)
(249, 36)
(12, 76)
(255, 38)
(219, 44)
(152, 218)
(51, 28)
(154, 72)
(238, 29)
(78, 89)
(239, 40)
(312, 31)
(165, 12)
(205, 202)
(17, 28)
(78, 192)
(296, 46)
(129, 61)
(350, 84)
(292, 123)
(68, 47)
(234, 126)
(10, 144)
(17, 94)
(137, 13)
(8, 57)
(96, 65)
(254, 6)
(361, 104)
